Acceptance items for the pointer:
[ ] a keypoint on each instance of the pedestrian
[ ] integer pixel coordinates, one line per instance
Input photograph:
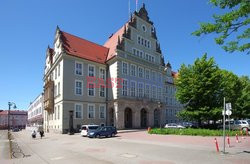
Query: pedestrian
(41, 133)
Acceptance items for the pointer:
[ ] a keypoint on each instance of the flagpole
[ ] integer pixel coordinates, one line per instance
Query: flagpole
(136, 4)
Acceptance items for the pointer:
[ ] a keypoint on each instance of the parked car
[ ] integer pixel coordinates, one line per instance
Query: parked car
(86, 128)
(236, 125)
(189, 125)
(15, 130)
(106, 131)
(174, 125)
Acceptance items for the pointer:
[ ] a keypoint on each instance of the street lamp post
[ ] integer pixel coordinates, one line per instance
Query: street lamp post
(14, 106)
(159, 106)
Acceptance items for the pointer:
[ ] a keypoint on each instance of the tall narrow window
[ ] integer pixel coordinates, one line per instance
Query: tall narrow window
(102, 73)
(91, 89)
(78, 111)
(147, 73)
(78, 87)
(78, 68)
(140, 89)
(59, 88)
(91, 111)
(91, 70)
(132, 69)
(154, 92)
(55, 73)
(124, 68)
(58, 112)
(102, 111)
(59, 70)
(147, 91)
(55, 90)
(132, 88)
(139, 40)
(140, 72)
(125, 87)
(159, 93)
(102, 91)
(153, 75)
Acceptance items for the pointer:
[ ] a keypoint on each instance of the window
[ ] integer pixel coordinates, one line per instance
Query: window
(102, 91)
(91, 70)
(91, 111)
(140, 72)
(132, 70)
(55, 90)
(145, 43)
(166, 89)
(78, 111)
(55, 113)
(132, 88)
(102, 112)
(59, 70)
(58, 112)
(102, 73)
(125, 87)
(140, 89)
(78, 87)
(147, 90)
(139, 40)
(154, 92)
(148, 44)
(137, 53)
(78, 68)
(147, 73)
(166, 100)
(141, 54)
(153, 75)
(144, 28)
(142, 41)
(125, 68)
(91, 89)
(153, 59)
(55, 73)
(159, 93)
(134, 51)
(146, 56)
(59, 88)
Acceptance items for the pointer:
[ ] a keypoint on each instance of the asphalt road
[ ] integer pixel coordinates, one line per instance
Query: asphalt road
(127, 148)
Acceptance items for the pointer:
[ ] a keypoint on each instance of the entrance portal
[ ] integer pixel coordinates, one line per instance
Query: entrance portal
(128, 118)
(143, 118)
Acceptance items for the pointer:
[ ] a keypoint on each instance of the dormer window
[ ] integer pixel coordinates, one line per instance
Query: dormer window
(144, 28)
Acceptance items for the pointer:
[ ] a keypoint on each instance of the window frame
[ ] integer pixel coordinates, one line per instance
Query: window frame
(81, 87)
(81, 109)
(94, 72)
(93, 111)
(77, 62)
(104, 107)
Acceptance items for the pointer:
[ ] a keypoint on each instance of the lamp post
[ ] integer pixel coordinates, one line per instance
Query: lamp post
(14, 107)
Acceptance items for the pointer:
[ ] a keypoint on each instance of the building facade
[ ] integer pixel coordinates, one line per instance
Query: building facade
(122, 83)
(35, 112)
(18, 119)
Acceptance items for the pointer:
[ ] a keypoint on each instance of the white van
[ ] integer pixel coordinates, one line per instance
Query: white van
(86, 128)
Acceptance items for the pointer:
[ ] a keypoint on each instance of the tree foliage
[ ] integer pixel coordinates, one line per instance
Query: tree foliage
(202, 86)
(236, 21)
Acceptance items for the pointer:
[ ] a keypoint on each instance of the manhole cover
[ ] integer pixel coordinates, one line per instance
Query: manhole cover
(126, 155)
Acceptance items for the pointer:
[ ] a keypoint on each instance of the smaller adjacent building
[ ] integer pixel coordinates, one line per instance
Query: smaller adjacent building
(35, 112)
(18, 119)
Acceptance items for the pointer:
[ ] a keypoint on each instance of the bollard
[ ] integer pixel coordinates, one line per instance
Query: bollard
(228, 140)
(237, 139)
(149, 129)
(216, 145)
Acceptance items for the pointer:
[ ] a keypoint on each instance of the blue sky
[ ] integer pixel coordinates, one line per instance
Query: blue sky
(27, 27)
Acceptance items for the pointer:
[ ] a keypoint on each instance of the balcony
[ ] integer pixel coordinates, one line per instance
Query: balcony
(49, 96)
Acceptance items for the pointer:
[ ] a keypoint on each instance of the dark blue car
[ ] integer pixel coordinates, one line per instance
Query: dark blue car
(106, 131)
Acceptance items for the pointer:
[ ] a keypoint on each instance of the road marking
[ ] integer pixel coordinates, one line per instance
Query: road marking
(56, 158)
(127, 155)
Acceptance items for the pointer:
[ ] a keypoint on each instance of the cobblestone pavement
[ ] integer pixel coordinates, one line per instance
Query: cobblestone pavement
(128, 147)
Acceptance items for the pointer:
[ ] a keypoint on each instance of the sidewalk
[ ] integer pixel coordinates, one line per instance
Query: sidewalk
(4, 147)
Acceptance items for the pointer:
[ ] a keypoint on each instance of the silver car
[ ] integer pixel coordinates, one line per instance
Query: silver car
(174, 125)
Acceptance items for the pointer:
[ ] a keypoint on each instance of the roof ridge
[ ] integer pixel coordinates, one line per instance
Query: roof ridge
(84, 39)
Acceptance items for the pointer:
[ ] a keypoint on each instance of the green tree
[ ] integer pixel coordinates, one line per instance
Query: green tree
(242, 105)
(198, 88)
(232, 28)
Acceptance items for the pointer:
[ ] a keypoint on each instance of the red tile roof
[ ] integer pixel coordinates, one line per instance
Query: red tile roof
(111, 43)
(82, 48)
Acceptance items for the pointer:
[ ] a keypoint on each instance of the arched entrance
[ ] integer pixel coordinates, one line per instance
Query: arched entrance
(128, 118)
(111, 117)
(143, 118)
(156, 117)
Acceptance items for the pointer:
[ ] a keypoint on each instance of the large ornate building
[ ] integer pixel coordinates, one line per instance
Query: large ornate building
(124, 83)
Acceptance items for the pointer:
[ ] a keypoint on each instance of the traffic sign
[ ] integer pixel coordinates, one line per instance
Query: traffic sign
(228, 112)
(228, 106)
